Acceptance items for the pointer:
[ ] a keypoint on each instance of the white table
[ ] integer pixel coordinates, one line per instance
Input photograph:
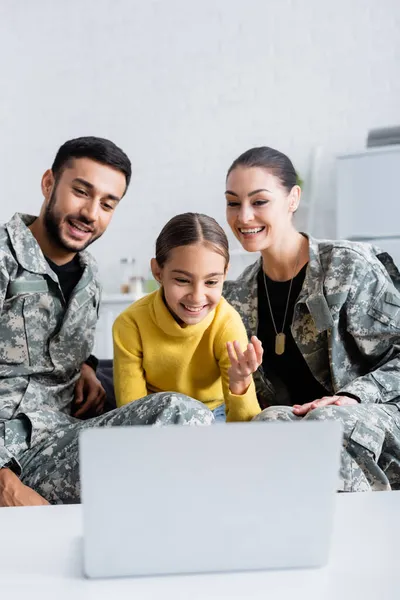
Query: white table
(40, 558)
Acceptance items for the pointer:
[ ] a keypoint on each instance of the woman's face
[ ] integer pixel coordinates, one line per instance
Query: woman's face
(259, 209)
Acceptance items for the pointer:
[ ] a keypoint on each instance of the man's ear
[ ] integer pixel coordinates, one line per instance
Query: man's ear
(156, 270)
(47, 183)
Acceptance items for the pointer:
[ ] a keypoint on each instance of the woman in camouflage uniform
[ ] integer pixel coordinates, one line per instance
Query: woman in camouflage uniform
(328, 315)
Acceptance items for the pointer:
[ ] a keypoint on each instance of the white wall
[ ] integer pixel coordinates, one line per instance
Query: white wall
(184, 87)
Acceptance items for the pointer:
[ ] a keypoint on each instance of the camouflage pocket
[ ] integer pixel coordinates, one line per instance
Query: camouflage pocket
(40, 321)
(387, 310)
(17, 433)
(369, 437)
(13, 343)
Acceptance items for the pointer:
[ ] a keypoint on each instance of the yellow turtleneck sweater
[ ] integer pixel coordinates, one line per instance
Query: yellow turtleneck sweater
(153, 353)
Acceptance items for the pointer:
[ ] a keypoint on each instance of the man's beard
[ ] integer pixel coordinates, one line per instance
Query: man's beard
(53, 224)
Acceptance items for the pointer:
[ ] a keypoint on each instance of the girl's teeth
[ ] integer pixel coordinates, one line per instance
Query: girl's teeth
(191, 309)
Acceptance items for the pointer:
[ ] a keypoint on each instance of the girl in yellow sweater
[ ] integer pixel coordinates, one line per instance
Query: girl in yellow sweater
(185, 337)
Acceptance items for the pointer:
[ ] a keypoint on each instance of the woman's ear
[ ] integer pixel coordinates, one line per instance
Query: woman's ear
(156, 270)
(294, 198)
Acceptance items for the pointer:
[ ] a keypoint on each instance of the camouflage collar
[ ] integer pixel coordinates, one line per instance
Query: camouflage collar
(90, 269)
(30, 255)
(26, 248)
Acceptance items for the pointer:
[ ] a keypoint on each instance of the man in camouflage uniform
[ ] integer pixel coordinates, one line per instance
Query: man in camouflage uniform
(346, 324)
(45, 338)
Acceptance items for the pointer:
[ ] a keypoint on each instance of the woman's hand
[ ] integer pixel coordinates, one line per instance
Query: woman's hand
(302, 409)
(243, 364)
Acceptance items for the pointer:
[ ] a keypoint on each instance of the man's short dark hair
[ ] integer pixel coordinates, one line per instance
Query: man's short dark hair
(98, 149)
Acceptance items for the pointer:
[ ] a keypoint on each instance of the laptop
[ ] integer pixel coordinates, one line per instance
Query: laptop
(175, 499)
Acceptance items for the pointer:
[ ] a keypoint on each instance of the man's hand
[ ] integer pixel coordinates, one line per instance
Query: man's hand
(89, 394)
(243, 364)
(14, 493)
(302, 409)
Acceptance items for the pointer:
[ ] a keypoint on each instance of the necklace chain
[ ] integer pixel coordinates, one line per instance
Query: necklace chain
(288, 297)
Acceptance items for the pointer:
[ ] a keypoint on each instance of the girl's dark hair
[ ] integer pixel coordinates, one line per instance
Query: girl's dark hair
(191, 228)
(98, 149)
(270, 159)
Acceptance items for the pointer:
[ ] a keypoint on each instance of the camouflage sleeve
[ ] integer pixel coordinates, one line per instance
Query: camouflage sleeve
(229, 289)
(4, 280)
(373, 321)
(92, 361)
(264, 389)
(5, 456)
(6, 459)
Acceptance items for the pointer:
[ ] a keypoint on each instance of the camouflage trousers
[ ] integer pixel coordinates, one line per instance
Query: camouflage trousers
(370, 458)
(52, 467)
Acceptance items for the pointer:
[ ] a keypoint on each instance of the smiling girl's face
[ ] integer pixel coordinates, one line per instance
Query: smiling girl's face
(259, 208)
(192, 280)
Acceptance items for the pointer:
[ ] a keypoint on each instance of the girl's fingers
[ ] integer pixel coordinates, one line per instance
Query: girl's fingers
(251, 358)
(259, 350)
(240, 356)
(246, 362)
(232, 355)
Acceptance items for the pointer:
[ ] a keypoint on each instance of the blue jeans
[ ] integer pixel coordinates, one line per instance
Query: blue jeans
(219, 414)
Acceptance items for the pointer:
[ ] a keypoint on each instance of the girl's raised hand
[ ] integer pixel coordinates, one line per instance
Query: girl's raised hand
(243, 364)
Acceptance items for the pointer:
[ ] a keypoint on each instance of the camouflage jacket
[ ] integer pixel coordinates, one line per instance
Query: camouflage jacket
(43, 341)
(346, 322)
